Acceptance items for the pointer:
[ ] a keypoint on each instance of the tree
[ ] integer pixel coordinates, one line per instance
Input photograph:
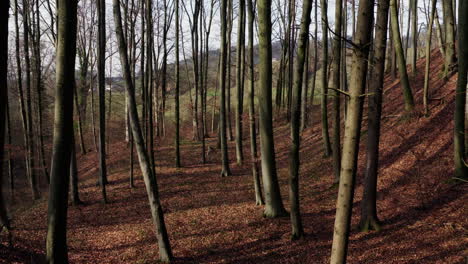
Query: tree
(29, 111)
(225, 171)
(253, 134)
(324, 80)
(4, 16)
(101, 9)
(414, 35)
(177, 85)
(369, 219)
(461, 169)
(428, 56)
(449, 24)
(274, 205)
(57, 251)
(239, 81)
(344, 203)
(336, 64)
(404, 80)
(294, 163)
(165, 252)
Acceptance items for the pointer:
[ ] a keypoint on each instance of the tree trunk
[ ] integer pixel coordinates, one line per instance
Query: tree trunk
(449, 23)
(369, 220)
(239, 75)
(4, 16)
(57, 250)
(225, 171)
(30, 145)
(414, 36)
(357, 86)
(407, 94)
(324, 81)
(294, 162)
(274, 205)
(165, 252)
(428, 57)
(461, 169)
(336, 146)
(253, 134)
(177, 85)
(101, 7)
(75, 198)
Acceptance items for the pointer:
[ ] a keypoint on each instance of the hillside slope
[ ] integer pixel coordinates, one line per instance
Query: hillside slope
(214, 220)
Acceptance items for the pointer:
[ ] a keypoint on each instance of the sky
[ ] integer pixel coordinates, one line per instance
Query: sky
(215, 32)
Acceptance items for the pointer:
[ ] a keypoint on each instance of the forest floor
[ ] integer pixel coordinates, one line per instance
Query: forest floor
(215, 220)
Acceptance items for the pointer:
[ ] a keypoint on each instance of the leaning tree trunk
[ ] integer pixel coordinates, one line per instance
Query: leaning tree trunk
(405, 85)
(165, 252)
(352, 131)
(461, 169)
(274, 205)
(4, 16)
(294, 162)
(369, 220)
(101, 8)
(57, 250)
(324, 80)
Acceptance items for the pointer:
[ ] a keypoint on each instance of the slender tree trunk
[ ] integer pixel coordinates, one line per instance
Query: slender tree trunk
(305, 87)
(4, 17)
(30, 147)
(314, 78)
(228, 74)
(74, 196)
(294, 162)
(336, 146)
(414, 36)
(9, 142)
(369, 219)
(449, 23)
(324, 81)
(101, 7)
(440, 36)
(461, 169)
(165, 252)
(274, 205)
(428, 57)
(225, 171)
(177, 85)
(357, 86)
(407, 94)
(253, 135)
(240, 73)
(57, 250)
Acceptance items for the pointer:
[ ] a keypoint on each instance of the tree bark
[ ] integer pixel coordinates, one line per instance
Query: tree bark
(274, 205)
(225, 171)
(294, 162)
(239, 81)
(165, 252)
(324, 81)
(101, 8)
(428, 57)
(344, 203)
(369, 219)
(336, 71)
(461, 169)
(57, 250)
(414, 36)
(404, 80)
(449, 24)
(4, 16)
